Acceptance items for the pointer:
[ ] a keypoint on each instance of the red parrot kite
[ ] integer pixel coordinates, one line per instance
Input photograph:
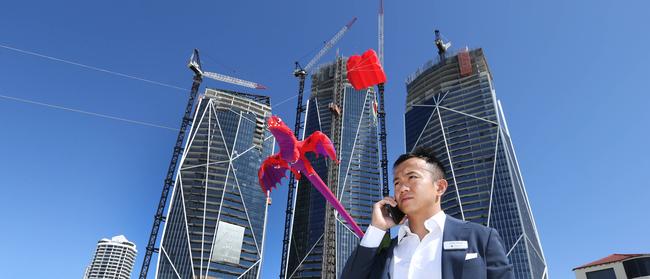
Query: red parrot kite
(292, 157)
(365, 70)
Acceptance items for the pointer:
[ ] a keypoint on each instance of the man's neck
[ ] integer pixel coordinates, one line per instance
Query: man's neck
(416, 221)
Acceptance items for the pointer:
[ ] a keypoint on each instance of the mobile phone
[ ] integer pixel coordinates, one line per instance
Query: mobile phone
(395, 213)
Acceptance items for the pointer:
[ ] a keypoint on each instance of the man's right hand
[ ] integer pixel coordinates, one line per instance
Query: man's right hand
(380, 218)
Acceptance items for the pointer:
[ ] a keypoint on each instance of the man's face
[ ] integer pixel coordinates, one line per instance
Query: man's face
(416, 187)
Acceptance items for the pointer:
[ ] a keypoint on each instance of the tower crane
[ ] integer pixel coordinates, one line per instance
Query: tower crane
(301, 73)
(195, 66)
(381, 113)
(380, 22)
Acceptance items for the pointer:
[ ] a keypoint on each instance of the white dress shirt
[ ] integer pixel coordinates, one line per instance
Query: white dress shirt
(413, 258)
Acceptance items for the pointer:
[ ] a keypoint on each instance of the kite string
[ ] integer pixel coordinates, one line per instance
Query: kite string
(104, 71)
(90, 67)
(285, 100)
(86, 112)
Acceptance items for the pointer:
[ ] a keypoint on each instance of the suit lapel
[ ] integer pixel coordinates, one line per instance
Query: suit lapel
(453, 260)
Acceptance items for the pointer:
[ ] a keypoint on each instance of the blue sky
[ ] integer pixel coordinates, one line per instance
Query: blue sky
(572, 77)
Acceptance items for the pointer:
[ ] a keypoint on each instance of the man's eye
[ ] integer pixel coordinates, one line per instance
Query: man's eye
(412, 176)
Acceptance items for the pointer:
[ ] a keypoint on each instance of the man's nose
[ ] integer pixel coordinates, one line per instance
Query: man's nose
(404, 188)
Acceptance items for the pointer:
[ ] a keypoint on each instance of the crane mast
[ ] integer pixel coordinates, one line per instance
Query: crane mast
(380, 48)
(381, 114)
(301, 74)
(194, 65)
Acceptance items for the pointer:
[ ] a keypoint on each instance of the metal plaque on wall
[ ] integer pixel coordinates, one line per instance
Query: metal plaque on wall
(228, 243)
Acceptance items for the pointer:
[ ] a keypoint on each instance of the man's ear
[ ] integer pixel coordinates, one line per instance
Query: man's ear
(441, 186)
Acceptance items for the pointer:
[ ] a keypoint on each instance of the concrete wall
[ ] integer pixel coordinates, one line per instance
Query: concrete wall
(618, 270)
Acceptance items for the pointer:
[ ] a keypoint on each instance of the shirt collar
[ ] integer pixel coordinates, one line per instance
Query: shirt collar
(435, 221)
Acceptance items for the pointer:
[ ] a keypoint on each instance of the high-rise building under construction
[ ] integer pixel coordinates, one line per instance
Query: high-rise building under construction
(320, 241)
(215, 221)
(451, 106)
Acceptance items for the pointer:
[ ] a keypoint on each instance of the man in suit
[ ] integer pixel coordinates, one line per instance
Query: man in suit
(429, 244)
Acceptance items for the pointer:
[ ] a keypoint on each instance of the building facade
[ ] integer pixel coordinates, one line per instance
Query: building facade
(215, 220)
(320, 241)
(113, 259)
(616, 266)
(451, 106)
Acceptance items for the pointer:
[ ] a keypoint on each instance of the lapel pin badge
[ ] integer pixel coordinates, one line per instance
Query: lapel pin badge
(455, 245)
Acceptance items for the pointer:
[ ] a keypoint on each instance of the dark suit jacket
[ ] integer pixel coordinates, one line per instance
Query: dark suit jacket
(491, 261)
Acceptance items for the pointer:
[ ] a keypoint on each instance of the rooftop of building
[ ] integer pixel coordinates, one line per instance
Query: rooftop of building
(119, 239)
(435, 62)
(266, 100)
(611, 259)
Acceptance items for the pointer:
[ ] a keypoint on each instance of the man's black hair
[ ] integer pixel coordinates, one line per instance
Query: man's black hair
(427, 155)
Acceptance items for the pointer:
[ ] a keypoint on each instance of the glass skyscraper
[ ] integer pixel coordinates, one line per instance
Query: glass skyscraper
(215, 220)
(451, 106)
(320, 242)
